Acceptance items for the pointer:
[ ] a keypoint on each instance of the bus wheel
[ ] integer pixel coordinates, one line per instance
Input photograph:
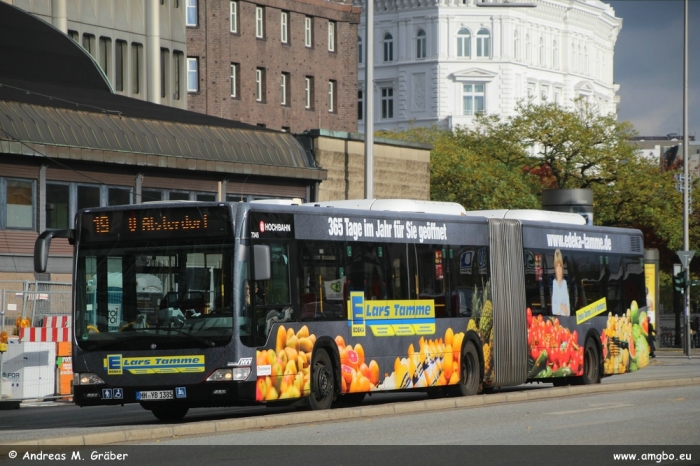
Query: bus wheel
(170, 413)
(322, 381)
(591, 364)
(469, 372)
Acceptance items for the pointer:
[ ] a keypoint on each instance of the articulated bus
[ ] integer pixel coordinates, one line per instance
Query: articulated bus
(263, 303)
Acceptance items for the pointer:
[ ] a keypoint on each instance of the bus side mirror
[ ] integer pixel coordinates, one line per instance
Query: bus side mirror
(261, 253)
(43, 243)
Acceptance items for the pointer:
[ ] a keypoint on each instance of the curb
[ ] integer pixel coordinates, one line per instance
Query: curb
(296, 418)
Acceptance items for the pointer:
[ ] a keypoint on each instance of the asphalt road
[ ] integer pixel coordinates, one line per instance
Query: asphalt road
(62, 423)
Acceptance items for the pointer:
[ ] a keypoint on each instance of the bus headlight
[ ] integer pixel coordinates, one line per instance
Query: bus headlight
(229, 374)
(86, 378)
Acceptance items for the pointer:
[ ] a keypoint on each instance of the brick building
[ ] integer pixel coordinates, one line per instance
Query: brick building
(282, 64)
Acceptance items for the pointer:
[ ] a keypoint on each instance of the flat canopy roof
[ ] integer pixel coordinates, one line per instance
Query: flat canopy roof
(55, 101)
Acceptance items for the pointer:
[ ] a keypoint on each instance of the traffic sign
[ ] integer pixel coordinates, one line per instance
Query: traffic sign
(686, 257)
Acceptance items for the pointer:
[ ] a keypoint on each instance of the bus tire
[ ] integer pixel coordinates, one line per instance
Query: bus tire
(322, 381)
(591, 364)
(170, 413)
(469, 375)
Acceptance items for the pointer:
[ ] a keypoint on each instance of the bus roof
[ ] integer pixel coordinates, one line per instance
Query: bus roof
(531, 214)
(395, 205)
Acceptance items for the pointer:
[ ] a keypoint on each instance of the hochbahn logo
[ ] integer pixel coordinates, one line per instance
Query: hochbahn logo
(275, 227)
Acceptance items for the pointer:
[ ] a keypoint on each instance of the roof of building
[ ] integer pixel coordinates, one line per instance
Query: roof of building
(55, 101)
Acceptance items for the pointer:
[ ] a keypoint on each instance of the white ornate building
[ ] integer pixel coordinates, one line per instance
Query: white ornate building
(441, 61)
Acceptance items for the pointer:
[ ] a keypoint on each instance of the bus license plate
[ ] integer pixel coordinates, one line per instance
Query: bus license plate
(155, 395)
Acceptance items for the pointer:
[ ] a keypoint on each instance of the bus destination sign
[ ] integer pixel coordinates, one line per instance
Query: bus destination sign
(159, 223)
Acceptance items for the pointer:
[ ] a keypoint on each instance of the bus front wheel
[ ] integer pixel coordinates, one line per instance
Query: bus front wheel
(170, 413)
(322, 381)
(469, 372)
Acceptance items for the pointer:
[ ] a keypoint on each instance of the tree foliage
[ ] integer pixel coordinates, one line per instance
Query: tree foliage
(507, 163)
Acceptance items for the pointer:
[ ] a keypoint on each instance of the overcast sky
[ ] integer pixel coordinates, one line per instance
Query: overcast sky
(649, 65)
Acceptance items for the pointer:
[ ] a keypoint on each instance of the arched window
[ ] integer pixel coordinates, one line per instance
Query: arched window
(464, 40)
(528, 45)
(516, 45)
(542, 57)
(585, 60)
(388, 47)
(580, 60)
(555, 55)
(483, 43)
(359, 49)
(420, 44)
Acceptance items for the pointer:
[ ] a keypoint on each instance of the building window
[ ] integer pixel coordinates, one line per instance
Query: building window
(284, 27)
(332, 89)
(483, 43)
(331, 36)
(89, 44)
(557, 95)
(555, 55)
(105, 54)
(118, 196)
(136, 64)
(359, 49)
(19, 203)
(308, 31)
(472, 99)
(544, 93)
(164, 72)
(178, 196)
(286, 129)
(388, 47)
(284, 89)
(420, 44)
(177, 73)
(148, 195)
(387, 103)
(205, 197)
(360, 105)
(260, 85)
(259, 22)
(233, 13)
(516, 45)
(120, 51)
(464, 42)
(58, 205)
(191, 13)
(74, 35)
(309, 92)
(528, 52)
(542, 58)
(192, 74)
(235, 69)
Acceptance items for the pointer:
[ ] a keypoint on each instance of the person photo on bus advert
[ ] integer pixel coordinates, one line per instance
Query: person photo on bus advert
(560, 291)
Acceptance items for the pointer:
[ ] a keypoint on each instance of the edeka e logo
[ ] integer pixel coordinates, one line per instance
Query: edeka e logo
(390, 318)
(114, 364)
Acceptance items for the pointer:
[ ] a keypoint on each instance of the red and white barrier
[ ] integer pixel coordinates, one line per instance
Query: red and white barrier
(57, 321)
(44, 334)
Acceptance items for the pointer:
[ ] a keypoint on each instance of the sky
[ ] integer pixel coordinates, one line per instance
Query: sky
(648, 65)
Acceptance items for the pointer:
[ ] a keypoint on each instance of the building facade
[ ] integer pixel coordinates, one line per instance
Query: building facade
(443, 62)
(138, 44)
(283, 64)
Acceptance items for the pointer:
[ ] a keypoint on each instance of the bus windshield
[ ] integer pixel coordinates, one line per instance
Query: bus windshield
(154, 295)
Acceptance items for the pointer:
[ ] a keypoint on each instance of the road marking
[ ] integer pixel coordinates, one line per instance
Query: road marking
(594, 407)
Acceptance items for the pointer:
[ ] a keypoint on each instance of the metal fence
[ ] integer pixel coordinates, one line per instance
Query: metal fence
(33, 300)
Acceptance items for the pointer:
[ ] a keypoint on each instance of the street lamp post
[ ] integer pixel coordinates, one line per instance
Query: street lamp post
(686, 180)
(369, 101)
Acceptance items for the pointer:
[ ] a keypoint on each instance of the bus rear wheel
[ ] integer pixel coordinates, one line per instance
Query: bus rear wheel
(170, 413)
(322, 381)
(469, 372)
(591, 364)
